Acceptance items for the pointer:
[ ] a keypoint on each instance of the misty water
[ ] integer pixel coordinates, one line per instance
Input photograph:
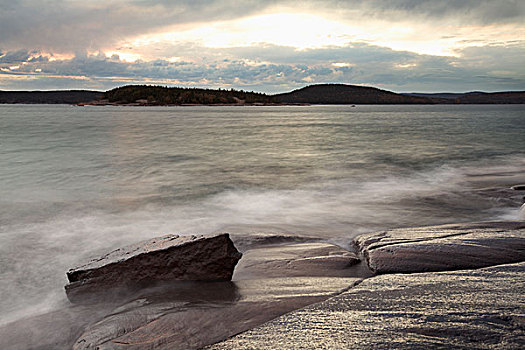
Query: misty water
(78, 181)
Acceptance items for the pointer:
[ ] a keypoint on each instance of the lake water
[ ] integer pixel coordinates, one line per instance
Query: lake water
(78, 181)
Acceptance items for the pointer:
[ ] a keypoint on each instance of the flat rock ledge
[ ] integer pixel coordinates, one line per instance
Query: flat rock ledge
(444, 247)
(167, 258)
(465, 309)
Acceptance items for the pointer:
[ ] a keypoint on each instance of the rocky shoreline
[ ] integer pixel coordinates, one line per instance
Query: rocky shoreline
(293, 292)
(482, 307)
(145, 103)
(464, 309)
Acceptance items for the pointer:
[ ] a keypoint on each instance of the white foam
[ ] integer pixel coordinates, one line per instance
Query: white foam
(35, 256)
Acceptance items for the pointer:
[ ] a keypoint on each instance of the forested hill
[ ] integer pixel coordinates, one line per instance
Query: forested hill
(158, 95)
(476, 97)
(147, 95)
(49, 97)
(347, 94)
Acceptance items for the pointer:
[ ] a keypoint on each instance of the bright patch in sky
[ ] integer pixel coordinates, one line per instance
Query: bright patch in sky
(273, 45)
(308, 31)
(341, 64)
(301, 31)
(124, 56)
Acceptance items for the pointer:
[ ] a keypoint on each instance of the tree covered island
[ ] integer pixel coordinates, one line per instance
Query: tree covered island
(161, 96)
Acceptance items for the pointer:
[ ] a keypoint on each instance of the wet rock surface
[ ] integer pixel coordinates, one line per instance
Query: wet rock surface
(467, 309)
(304, 259)
(164, 322)
(444, 247)
(245, 242)
(167, 258)
(463, 309)
(268, 282)
(190, 315)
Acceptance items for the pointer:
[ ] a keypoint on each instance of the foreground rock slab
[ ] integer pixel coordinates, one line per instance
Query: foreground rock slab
(192, 314)
(443, 248)
(269, 281)
(467, 309)
(167, 258)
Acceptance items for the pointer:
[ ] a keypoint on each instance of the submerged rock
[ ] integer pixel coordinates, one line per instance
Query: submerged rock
(445, 247)
(167, 258)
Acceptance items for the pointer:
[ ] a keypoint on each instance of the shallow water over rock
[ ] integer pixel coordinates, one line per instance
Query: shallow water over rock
(269, 281)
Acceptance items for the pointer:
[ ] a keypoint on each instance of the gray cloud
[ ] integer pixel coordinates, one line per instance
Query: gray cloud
(62, 25)
(489, 68)
(19, 56)
(30, 27)
(353, 53)
(70, 26)
(474, 11)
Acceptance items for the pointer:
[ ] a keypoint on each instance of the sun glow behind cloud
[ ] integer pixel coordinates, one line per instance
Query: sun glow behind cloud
(282, 44)
(123, 55)
(297, 30)
(310, 31)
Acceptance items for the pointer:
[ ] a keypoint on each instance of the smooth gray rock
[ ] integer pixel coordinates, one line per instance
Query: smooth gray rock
(442, 248)
(474, 309)
(167, 258)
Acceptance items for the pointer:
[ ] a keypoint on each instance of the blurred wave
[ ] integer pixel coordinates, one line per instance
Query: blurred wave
(78, 182)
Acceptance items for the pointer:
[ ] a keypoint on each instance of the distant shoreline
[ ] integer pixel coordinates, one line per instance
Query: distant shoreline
(138, 104)
(322, 94)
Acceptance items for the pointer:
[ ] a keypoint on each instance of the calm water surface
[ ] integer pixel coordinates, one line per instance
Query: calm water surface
(77, 181)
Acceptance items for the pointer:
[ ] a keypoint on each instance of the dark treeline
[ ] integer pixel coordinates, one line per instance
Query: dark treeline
(354, 94)
(159, 95)
(49, 97)
(475, 97)
(148, 95)
(347, 94)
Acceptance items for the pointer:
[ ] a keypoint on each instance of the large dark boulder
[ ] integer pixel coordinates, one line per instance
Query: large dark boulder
(167, 258)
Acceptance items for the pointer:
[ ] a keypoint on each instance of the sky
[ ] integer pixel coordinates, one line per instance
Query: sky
(263, 45)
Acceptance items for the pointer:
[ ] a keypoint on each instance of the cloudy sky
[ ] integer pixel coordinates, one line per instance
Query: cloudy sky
(263, 45)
